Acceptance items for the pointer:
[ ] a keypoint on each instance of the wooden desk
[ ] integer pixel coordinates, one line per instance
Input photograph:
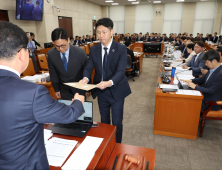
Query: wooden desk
(150, 154)
(108, 132)
(176, 115)
(139, 65)
(50, 88)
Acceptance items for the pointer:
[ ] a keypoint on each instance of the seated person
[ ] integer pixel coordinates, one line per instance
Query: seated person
(130, 52)
(183, 49)
(80, 42)
(209, 84)
(151, 38)
(210, 38)
(127, 38)
(139, 38)
(219, 50)
(190, 50)
(76, 40)
(87, 38)
(196, 63)
(191, 36)
(178, 42)
(94, 37)
(90, 38)
(215, 38)
(147, 37)
(84, 39)
(71, 40)
(163, 38)
(173, 38)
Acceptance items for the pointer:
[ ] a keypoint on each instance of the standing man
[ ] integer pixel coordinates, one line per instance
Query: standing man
(26, 11)
(66, 64)
(37, 12)
(25, 106)
(109, 59)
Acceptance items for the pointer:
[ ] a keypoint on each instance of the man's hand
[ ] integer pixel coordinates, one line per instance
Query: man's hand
(104, 84)
(187, 81)
(88, 94)
(83, 81)
(79, 97)
(204, 71)
(192, 85)
(58, 95)
(184, 66)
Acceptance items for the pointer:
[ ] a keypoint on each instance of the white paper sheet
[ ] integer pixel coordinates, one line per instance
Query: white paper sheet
(168, 86)
(83, 155)
(188, 92)
(47, 135)
(58, 150)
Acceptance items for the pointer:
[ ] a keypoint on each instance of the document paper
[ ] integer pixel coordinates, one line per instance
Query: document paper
(83, 155)
(58, 150)
(189, 92)
(47, 134)
(80, 86)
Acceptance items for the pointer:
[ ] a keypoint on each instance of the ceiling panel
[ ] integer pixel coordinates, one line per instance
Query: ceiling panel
(126, 2)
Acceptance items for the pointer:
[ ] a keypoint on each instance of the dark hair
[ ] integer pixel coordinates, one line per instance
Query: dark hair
(106, 22)
(211, 55)
(191, 46)
(191, 34)
(31, 34)
(200, 43)
(12, 39)
(210, 35)
(37, 3)
(127, 43)
(219, 50)
(59, 33)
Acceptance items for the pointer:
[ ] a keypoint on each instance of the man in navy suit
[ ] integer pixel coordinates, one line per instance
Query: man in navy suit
(109, 59)
(26, 11)
(37, 13)
(139, 38)
(128, 38)
(215, 37)
(25, 106)
(196, 63)
(151, 38)
(209, 84)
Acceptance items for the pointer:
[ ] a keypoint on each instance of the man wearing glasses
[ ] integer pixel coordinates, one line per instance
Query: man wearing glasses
(66, 64)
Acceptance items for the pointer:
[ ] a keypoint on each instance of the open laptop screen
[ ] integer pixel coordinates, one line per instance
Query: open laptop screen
(88, 107)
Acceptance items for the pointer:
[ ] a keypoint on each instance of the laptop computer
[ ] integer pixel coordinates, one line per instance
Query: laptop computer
(183, 86)
(78, 128)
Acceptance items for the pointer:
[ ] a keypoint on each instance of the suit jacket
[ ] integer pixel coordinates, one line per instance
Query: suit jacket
(139, 39)
(116, 68)
(172, 39)
(58, 75)
(181, 47)
(178, 43)
(215, 39)
(26, 12)
(80, 42)
(37, 14)
(93, 39)
(196, 65)
(151, 39)
(130, 52)
(23, 114)
(210, 89)
(185, 53)
(127, 39)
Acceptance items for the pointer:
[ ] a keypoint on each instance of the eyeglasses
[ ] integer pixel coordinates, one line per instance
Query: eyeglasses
(61, 46)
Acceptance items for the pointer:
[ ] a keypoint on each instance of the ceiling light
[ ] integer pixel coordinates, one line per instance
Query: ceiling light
(131, 0)
(135, 2)
(180, 0)
(203, 0)
(156, 2)
(115, 3)
(108, 1)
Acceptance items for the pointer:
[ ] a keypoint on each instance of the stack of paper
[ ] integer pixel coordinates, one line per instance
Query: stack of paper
(183, 77)
(168, 86)
(58, 150)
(32, 79)
(47, 134)
(177, 54)
(189, 92)
(83, 155)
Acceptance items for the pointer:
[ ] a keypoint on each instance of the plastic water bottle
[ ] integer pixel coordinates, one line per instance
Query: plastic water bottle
(173, 71)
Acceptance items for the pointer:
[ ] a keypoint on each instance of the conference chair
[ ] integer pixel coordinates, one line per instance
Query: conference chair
(30, 70)
(129, 68)
(138, 49)
(209, 114)
(43, 62)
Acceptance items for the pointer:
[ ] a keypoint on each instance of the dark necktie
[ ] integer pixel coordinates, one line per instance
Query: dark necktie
(194, 57)
(104, 63)
(64, 60)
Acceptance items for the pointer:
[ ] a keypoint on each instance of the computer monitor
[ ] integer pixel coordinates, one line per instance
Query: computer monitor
(152, 47)
(48, 45)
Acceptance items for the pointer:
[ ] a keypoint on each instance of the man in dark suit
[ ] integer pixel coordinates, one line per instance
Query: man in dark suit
(109, 59)
(139, 38)
(76, 40)
(80, 41)
(209, 84)
(173, 38)
(94, 37)
(178, 42)
(196, 63)
(66, 64)
(25, 106)
(151, 38)
(37, 12)
(215, 37)
(130, 52)
(128, 38)
(27, 9)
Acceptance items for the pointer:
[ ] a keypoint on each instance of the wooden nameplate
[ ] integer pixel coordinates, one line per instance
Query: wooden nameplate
(122, 163)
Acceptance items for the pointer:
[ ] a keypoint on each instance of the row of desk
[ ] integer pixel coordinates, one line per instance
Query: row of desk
(106, 154)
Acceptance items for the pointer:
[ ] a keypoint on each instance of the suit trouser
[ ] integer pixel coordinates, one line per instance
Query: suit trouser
(106, 101)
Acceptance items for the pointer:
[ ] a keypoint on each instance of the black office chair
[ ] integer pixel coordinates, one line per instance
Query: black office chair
(130, 68)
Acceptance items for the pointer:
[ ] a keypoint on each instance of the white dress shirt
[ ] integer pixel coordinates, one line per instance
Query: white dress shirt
(9, 69)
